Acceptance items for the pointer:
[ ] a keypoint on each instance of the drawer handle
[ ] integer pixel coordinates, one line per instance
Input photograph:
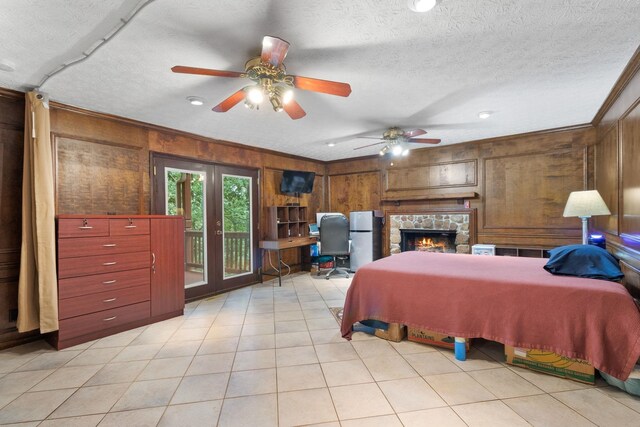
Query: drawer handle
(109, 300)
(109, 282)
(109, 318)
(85, 227)
(130, 226)
(109, 263)
(109, 245)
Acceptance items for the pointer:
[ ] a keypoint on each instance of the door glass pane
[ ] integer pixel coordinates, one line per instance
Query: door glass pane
(237, 220)
(185, 192)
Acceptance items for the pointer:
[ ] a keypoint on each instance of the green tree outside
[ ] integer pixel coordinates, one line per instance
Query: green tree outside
(236, 204)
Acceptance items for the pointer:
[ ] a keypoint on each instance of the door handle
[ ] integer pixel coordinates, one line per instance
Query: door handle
(153, 262)
(218, 232)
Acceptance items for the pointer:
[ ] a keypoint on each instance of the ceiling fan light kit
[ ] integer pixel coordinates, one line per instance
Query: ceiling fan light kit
(195, 100)
(271, 80)
(397, 141)
(422, 5)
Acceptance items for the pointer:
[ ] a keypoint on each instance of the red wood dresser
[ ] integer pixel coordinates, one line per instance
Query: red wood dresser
(117, 272)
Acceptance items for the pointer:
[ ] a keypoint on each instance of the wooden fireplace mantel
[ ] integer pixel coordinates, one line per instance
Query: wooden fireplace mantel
(448, 196)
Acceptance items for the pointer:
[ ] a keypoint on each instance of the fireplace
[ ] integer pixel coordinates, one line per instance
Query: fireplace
(458, 225)
(416, 239)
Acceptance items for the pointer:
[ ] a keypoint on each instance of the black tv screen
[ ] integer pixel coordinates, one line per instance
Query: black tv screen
(297, 182)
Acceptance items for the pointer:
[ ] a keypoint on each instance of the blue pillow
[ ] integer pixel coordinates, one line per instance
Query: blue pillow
(584, 261)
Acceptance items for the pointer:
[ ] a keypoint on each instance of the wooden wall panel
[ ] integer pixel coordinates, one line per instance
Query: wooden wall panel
(11, 152)
(354, 192)
(433, 176)
(630, 178)
(530, 191)
(606, 181)
(273, 197)
(616, 167)
(11, 156)
(95, 177)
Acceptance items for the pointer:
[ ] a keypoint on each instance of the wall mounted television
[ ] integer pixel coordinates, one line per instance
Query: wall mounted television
(297, 182)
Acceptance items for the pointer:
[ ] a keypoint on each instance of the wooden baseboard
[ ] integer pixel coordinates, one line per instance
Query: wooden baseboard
(12, 338)
(52, 338)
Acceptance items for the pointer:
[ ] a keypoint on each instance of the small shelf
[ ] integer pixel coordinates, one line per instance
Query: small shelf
(287, 221)
(522, 252)
(449, 196)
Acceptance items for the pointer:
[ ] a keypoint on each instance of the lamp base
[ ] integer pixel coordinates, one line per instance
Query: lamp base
(585, 229)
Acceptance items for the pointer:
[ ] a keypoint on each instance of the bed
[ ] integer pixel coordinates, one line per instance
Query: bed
(510, 300)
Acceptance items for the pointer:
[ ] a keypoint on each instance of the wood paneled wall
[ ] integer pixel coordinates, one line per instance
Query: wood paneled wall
(617, 174)
(518, 184)
(11, 154)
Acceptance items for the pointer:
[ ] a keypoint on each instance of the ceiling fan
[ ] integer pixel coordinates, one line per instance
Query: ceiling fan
(396, 140)
(271, 81)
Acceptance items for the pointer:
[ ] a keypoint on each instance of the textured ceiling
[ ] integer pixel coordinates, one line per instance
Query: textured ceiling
(535, 64)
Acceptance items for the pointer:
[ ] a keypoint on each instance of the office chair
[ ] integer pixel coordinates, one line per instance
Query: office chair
(334, 240)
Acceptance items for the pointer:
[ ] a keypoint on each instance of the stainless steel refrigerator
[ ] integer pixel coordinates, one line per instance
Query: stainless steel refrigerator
(366, 237)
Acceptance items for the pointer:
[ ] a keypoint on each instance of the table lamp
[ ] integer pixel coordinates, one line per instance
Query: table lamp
(585, 204)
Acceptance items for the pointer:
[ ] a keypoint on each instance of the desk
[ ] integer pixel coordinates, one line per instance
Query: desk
(279, 245)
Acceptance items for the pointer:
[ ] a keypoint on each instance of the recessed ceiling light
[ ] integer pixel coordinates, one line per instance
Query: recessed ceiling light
(195, 100)
(484, 114)
(331, 144)
(7, 66)
(422, 5)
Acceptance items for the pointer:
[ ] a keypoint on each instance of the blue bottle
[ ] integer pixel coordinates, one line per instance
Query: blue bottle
(460, 349)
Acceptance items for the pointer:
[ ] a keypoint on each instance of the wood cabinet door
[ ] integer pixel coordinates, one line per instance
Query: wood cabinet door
(167, 265)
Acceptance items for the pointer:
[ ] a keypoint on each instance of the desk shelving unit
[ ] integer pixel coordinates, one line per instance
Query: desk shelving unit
(287, 222)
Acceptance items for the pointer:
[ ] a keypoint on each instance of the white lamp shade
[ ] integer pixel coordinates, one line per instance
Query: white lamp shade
(585, 204)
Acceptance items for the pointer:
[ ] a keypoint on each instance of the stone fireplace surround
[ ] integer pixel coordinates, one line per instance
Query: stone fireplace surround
(458, 221)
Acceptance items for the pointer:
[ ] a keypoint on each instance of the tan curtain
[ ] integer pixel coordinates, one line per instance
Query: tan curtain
(37, 289)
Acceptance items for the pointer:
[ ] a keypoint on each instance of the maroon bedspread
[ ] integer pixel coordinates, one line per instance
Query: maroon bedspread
(506, 299)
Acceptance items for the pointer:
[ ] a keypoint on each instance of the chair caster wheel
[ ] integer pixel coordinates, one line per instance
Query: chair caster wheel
(347, 276)
(327, 277)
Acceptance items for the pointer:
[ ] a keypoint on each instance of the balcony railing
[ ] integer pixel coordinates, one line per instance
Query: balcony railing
(194, 250)
(237, 251)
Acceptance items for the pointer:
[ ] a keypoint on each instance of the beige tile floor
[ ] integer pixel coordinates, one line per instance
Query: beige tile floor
(271, 356)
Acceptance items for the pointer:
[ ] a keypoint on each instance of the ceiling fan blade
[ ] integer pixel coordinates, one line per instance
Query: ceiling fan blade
(424, 140)
(414, 132)
(205, 71)
(368, 137)
(323, 86)
(230, 102)
(294, 110)
(370, 145)
(274, 50)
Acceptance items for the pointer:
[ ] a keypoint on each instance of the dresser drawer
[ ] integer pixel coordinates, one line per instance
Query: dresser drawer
(72, 307)
(79, 247)
(78, 286)
(82, 325)
(82, 227)
(73, 267)
(128, 226)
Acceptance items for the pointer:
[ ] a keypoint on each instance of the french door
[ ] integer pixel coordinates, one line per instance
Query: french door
(220, 207)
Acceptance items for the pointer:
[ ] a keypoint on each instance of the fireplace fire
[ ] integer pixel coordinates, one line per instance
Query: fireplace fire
(427, 240)
(429, 245)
